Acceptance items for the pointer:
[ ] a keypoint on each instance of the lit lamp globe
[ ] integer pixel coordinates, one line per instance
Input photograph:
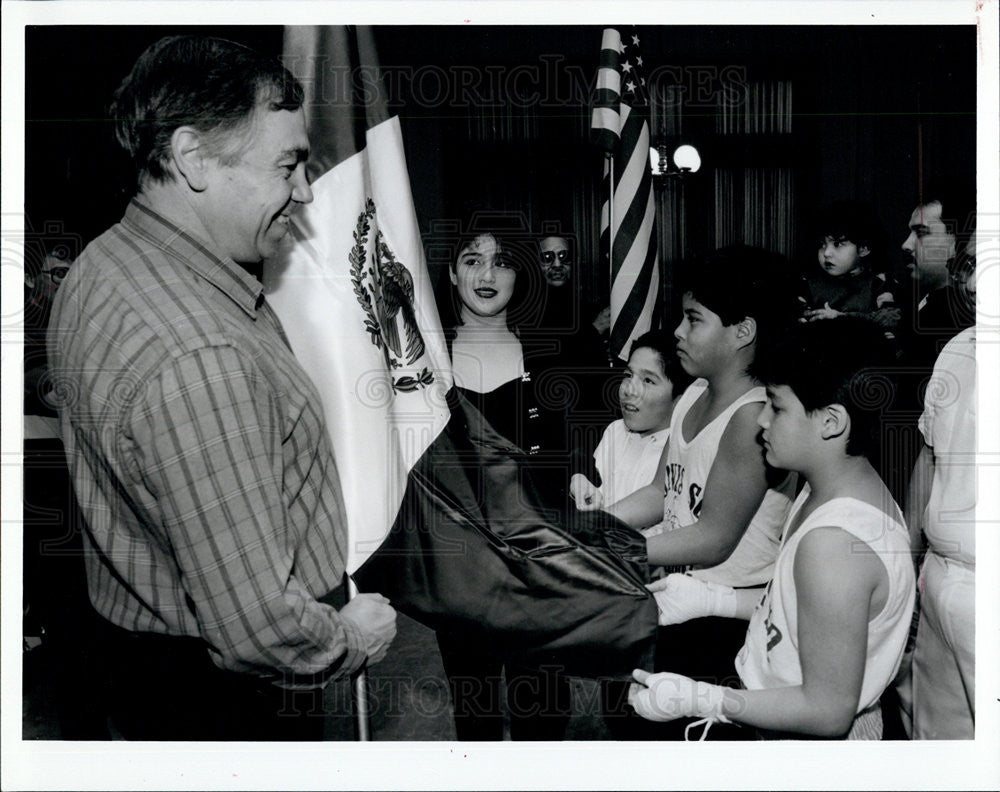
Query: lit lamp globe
(686, 158)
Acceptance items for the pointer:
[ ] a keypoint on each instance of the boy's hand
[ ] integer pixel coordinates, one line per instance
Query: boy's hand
(666, 697)
(681, 597)
(586, 496)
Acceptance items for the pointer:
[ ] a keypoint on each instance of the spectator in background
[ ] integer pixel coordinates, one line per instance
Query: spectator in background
(563, 310)
(939, 226)
(40, 287)
(940, 507)
(556, 260)
(58, 623)
(851, 278)
(579, 347)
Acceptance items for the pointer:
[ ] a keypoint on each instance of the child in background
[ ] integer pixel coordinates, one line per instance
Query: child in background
(850, 278)
(828, 635)
(627, 455)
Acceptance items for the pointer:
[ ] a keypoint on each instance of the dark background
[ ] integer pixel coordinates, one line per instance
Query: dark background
(876, 110)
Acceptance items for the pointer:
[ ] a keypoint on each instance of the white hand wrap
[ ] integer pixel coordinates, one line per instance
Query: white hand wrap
(666, 697)
(682, 597)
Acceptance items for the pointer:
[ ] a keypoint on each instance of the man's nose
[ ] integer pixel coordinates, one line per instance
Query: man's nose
(909, 242)
(301, 190)
(489, 273)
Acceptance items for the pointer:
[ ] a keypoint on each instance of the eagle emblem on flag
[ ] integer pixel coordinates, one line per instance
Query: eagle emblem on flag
(385, 293)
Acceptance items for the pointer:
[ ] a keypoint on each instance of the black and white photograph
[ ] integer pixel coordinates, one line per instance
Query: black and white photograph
(520, 390)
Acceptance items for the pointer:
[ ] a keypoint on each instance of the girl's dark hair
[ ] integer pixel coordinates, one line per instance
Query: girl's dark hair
(662, 342)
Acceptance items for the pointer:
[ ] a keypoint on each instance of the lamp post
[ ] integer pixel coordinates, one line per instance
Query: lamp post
(671, 170)
(685, 160)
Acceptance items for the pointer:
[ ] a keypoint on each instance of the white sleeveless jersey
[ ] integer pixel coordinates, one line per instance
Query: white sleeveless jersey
(687, 467)
(770, 656)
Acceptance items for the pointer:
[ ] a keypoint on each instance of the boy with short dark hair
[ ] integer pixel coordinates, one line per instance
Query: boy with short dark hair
(829, 633)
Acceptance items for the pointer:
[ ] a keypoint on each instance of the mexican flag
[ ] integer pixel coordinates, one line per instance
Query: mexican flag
(443, 514)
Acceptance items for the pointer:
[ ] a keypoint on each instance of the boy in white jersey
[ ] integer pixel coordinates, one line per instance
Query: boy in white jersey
(718, 506)
(829, 633)
(630, 449)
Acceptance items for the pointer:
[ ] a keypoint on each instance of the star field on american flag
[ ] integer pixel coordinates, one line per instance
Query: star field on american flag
(634, 89)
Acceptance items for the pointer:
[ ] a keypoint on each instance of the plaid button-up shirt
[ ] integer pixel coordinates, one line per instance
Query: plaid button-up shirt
(199, 454)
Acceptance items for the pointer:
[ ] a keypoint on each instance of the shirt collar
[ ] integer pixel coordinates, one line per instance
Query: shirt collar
(659, 435)
(652, 437)
(223, 273)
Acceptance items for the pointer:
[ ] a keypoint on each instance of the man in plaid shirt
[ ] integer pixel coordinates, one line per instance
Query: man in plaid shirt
(196, 443)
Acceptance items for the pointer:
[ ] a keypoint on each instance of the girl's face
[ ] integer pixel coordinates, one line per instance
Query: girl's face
(645, 392)
(839, 256)
(483, 277)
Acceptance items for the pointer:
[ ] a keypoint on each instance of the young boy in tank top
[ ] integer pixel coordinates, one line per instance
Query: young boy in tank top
(714, 505)
(630, 448)
(828, 635)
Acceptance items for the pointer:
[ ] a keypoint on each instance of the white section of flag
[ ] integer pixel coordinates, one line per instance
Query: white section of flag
(377, 434)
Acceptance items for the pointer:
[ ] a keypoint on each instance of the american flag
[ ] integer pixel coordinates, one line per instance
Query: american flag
(620, 125)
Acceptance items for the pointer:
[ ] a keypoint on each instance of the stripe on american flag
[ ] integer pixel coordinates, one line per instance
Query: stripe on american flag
(620, 125)
(605, 121)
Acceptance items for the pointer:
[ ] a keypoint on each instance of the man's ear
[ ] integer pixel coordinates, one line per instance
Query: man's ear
(746, 331)
(453, 276)
(863, 251)
(190, 157)
(836, 421)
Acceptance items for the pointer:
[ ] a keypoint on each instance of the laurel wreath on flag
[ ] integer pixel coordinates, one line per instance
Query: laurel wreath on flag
(357, 257)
